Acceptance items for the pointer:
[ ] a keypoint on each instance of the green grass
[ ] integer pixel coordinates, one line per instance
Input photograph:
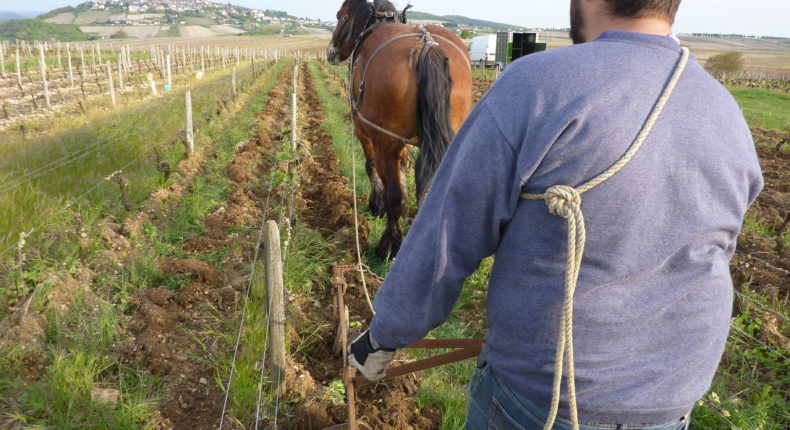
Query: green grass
(83, 343)
(764, 108)
(172, 31)
(751, 385)
(337, 125)
(105, 142)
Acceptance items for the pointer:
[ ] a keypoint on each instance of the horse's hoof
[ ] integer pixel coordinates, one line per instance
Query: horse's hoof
(376, 207)
(387, 248)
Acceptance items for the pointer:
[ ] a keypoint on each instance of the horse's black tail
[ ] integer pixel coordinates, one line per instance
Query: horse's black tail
(433, 115)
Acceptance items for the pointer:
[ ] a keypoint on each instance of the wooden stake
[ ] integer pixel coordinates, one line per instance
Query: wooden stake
(43, 67)
(169, 74)
(233, 80)
(190, 131)
(121, 88)
(2, 61)
(293, 122)
(153, 84)
(112, 86)
(71, 71)
(276, 296)
(19, 73)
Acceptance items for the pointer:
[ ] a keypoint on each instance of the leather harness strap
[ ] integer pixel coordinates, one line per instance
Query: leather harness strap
(424, 36)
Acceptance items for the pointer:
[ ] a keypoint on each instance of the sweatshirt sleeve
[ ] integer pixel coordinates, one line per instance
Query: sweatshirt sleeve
(473, 196)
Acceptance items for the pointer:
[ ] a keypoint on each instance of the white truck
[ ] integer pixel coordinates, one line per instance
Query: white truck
(483, 51)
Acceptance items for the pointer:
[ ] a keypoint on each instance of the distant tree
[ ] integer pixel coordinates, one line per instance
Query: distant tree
(728, 62)
(466, 34)
(120, 34)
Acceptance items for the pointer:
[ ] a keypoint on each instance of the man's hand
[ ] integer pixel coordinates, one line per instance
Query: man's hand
(369, 357)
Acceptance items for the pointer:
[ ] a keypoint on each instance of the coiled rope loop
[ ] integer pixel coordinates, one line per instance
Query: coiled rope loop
(565, 202)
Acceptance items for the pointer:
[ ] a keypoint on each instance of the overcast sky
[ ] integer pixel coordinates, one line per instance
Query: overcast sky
(754, 17)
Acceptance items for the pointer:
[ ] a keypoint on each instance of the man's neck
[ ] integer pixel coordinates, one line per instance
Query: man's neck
(654, 26)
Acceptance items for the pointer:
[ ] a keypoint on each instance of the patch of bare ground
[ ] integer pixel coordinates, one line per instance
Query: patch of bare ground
(328, 207)
(762, 262)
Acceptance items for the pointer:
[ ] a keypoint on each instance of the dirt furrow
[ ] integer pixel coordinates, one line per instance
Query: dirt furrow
(174, 334)
(328, 207)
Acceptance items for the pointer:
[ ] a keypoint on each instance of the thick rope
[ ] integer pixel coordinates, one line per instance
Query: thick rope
(565, 202)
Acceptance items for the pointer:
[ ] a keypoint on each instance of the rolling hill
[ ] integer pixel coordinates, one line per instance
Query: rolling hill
(457, 19)
(9, 15)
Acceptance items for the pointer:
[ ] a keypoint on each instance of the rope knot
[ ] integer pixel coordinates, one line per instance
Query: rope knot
(563, 201)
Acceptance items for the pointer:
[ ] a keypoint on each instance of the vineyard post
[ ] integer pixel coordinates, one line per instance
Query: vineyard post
(294, 107)
(276, 296)
(202, 62)
(82, 57)
(2, 60)
(71, 71)
(233, 80)
(19, 73)
(112, 86)
(153, 84)
(60, 63)
(190, 134)
(43, 66)
(169, 74)
(120, 76)
(293, 121)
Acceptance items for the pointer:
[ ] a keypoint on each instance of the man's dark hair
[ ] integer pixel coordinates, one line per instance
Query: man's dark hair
(666, 9)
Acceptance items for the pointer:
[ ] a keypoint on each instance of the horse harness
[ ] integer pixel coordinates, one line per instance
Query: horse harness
(425, 42)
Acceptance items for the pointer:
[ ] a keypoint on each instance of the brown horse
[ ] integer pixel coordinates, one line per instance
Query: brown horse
(408, 86)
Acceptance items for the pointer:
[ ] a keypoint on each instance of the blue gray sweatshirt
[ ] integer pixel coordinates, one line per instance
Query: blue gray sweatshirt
(654, 297)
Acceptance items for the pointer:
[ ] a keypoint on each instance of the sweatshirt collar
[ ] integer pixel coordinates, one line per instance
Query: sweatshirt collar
(669, 42)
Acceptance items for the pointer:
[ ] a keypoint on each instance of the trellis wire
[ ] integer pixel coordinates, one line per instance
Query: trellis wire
(759, 342)
(759, 304)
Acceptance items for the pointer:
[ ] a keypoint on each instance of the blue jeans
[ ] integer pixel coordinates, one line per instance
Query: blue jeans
(492, 406)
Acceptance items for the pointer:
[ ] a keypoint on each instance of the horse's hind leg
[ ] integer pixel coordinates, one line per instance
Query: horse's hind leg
(395, 203)
(376, 199)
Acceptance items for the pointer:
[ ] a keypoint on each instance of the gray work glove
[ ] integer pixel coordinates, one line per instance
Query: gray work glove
(369, 357)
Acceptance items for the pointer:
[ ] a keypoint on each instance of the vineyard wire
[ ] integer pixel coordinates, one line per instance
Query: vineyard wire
(56, 164)
(720, 412)
(86, 193)
(759, 304)
(761, 343)
(773, 206)
(769, 265)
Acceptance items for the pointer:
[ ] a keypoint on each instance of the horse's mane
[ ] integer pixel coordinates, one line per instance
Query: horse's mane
(384, 6)
(360, 10)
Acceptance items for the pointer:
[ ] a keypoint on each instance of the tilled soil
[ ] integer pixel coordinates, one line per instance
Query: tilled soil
(761, 261)
(168, 327)
(329, 208)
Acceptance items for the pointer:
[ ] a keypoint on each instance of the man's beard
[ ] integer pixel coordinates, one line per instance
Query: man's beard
(577, 22)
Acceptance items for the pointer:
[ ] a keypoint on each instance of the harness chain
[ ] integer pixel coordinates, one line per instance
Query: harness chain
(565, 201)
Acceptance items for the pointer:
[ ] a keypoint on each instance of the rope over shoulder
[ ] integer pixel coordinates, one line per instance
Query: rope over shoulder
(565, 201)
